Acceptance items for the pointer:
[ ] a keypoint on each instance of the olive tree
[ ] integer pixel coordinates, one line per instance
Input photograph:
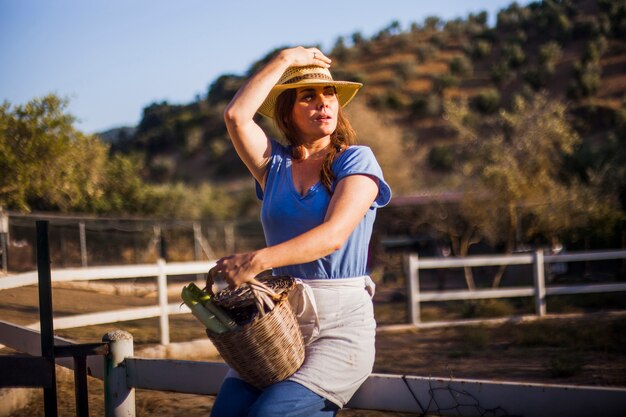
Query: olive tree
(511, 171)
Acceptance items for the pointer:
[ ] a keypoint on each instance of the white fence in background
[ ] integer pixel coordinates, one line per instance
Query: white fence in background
(397, 393)
(539, 290)
(161, 270)
(391, 393)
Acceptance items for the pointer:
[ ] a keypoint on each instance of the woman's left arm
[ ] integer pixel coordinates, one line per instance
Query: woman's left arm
(351, 200)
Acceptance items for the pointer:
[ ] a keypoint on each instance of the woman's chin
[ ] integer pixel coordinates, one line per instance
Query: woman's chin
(326, 128)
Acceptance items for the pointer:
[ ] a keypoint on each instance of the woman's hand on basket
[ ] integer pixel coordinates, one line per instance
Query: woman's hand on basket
(235, 269)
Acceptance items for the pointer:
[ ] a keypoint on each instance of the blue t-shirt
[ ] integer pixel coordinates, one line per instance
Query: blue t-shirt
(286, 214)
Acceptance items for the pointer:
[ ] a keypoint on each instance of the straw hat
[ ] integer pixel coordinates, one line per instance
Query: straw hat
(295, 77)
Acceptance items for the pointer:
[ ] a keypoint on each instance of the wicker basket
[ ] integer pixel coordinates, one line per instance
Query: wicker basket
(270, 348)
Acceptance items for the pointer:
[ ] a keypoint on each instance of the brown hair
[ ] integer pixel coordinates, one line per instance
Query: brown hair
(341, 138)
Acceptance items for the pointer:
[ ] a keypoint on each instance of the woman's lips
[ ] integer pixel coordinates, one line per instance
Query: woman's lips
(323, 118)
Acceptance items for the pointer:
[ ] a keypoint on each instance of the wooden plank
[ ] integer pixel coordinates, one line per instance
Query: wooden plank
(107, 272)
(458, 262)
(585, 289)
(25, 372)
(476, 398)
(586, 256)
(476, 294)
(25, 340)
(104, 317)
(190, 377)
(19, 280)
(407, 393)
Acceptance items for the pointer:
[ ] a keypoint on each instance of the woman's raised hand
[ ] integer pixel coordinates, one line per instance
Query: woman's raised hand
(300, 56)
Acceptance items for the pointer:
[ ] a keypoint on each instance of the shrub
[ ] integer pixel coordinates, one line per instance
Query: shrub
(501, 72)
(480, 49)
(461, 66)
(586, 80)
(391, 101)
(514, 55)
(424, 52)
(595, 49)
(444, 81)
(549, 54)
(358, 77)
(487, 101)
(432, 22)
(426, 105)
(586, 28)
(441, 157)
(519, 37)
(405, 69)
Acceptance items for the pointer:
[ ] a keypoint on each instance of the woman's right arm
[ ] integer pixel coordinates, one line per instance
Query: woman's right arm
(251, 143)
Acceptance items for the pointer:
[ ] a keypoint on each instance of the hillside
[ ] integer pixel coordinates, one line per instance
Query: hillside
(574, 50)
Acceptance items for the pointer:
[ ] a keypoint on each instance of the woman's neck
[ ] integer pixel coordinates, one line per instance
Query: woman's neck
(317, 149)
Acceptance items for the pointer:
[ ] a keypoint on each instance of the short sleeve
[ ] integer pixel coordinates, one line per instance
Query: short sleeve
(361, 160)
(278, 154)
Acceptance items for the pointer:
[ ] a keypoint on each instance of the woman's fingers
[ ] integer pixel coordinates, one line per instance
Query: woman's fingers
(319, 57)
(301, 56)
(234, 270)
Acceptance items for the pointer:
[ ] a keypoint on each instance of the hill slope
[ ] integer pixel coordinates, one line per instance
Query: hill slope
(575, 50)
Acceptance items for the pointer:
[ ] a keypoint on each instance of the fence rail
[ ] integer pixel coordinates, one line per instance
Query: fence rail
(384, 392)
(539, 290)
(161, 270)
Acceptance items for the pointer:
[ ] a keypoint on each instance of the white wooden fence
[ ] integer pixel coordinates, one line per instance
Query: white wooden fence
(539, 290)
(385, 392)
(161, 270)
(398, 393)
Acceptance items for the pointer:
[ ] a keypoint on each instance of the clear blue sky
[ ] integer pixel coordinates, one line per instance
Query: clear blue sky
(111, 58)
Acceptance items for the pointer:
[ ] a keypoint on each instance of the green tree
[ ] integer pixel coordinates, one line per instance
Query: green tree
(46, 163)
(224, 88)
(514, 162)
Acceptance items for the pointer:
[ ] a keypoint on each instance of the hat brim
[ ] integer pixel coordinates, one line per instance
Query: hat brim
(346, 90)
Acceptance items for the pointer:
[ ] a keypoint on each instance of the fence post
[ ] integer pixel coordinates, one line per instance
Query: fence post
(119, 398)
(162, 289)
(4, 233)
(540, 284)
(83, 244)
(412, 277)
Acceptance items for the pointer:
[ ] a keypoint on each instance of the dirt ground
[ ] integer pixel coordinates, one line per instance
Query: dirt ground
(509, 352)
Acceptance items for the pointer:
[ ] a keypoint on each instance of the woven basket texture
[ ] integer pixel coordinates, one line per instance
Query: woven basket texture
(266, 350)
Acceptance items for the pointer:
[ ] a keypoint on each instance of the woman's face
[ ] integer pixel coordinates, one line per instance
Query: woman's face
(315, 111)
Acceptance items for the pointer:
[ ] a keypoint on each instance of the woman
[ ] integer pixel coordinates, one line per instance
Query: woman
(319, 196)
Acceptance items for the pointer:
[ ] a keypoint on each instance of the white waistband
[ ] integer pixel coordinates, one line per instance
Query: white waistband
(356, 282)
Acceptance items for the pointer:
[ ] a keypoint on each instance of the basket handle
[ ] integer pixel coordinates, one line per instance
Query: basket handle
(209, 285)
(263, 295)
